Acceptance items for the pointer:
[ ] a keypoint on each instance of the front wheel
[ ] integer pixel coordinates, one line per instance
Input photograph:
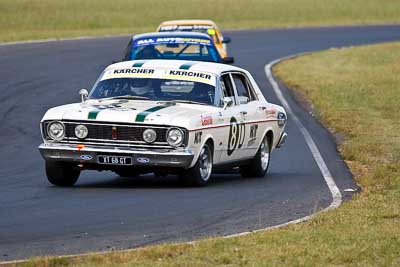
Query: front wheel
(200, 173)
(61, 173)
(260, 163)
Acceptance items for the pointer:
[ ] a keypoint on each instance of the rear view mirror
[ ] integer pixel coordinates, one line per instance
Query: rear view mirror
(228, 101)
(84, 95)
(226, 40)
(228, 60)
(243, 100)
(172, 45)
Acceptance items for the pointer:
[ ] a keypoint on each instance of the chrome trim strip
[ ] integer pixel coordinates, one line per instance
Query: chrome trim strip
(170, 152)
(114, 144)
(85, 140)
(117, 124)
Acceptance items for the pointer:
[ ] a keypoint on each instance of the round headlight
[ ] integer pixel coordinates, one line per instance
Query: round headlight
(149, 135)
(56, 130)
(81, 131)
(175, 137)
(281, 119)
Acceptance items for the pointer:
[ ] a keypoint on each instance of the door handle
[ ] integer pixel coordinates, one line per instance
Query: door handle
(243, 113)
(262, 108)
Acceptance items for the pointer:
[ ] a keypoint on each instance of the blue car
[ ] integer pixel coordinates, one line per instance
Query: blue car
(174, 45)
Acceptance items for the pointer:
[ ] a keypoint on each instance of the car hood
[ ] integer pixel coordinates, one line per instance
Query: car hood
(130, 111)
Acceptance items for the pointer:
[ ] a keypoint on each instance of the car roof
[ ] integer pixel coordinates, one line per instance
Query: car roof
(171, 34)
(189, 22)
(209, 67)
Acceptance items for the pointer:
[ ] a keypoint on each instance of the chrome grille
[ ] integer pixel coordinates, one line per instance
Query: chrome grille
(124, 133)
(101, 134)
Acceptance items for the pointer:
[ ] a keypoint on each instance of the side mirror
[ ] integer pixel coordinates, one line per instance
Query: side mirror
(226, 40)
(243, 100)
(228, 101)
(228, 60)
(84, 95)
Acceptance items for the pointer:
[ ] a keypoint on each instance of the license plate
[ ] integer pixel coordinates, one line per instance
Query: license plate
(114, 160)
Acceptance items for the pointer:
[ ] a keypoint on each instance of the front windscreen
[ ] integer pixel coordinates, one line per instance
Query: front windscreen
(159, 85)
(182, 48)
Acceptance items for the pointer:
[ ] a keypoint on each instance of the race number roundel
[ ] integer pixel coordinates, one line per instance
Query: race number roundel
(236, 135)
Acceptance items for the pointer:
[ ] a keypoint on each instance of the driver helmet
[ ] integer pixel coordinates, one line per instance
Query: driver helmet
(147, 52)
(141, 86)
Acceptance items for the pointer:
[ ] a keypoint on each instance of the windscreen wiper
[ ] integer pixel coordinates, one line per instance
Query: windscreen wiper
(187, 102)
(131, 97)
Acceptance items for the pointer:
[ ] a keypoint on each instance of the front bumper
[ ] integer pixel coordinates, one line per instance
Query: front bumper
(88, 155)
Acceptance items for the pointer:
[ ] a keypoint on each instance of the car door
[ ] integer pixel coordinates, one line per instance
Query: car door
(234, 119)
(252, 119)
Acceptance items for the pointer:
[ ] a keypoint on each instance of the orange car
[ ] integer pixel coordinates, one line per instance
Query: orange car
(203, 26)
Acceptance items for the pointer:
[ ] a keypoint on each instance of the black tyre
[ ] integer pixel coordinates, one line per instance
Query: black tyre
(61, 174)
(260, 163)
(200, 173)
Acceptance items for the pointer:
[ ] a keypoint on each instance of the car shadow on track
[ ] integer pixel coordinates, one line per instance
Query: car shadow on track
(152, 181)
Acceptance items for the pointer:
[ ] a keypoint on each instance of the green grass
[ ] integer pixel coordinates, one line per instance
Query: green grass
(39, 19)
(355, 91)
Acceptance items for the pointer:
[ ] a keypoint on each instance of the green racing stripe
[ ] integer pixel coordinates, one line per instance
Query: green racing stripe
(93, 114)
(138, 64)
(187, 66)
(142, 115)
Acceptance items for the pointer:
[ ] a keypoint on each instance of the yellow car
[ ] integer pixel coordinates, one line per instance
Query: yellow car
(203, 26)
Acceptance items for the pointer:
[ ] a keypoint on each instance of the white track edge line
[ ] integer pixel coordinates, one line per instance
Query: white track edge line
(333, 188)
(336, 195)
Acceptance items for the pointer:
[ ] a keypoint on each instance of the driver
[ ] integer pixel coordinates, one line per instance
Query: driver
(147, 52)
(142, 87)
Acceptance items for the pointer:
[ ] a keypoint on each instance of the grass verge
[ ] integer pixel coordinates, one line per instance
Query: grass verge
(355, 91)
(40, 19)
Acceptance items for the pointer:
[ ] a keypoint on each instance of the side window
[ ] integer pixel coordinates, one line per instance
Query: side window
(244, 91)
(227, 88)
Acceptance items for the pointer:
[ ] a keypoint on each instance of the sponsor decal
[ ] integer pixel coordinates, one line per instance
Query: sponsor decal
(142, 115)
(197, 137)
(86, 157)
(237, 134)
(143, 160)
(253, 134)
(206, 120)
(271, 113)
(189, 74)
(182, 74)
(123, 109)
(172, 40)
(133, 71)
(92, 115)
(184, 28)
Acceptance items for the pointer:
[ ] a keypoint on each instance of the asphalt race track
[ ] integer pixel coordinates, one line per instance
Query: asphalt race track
(104, 211)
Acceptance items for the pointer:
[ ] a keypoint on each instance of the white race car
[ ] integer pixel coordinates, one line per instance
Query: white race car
(164, 116)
